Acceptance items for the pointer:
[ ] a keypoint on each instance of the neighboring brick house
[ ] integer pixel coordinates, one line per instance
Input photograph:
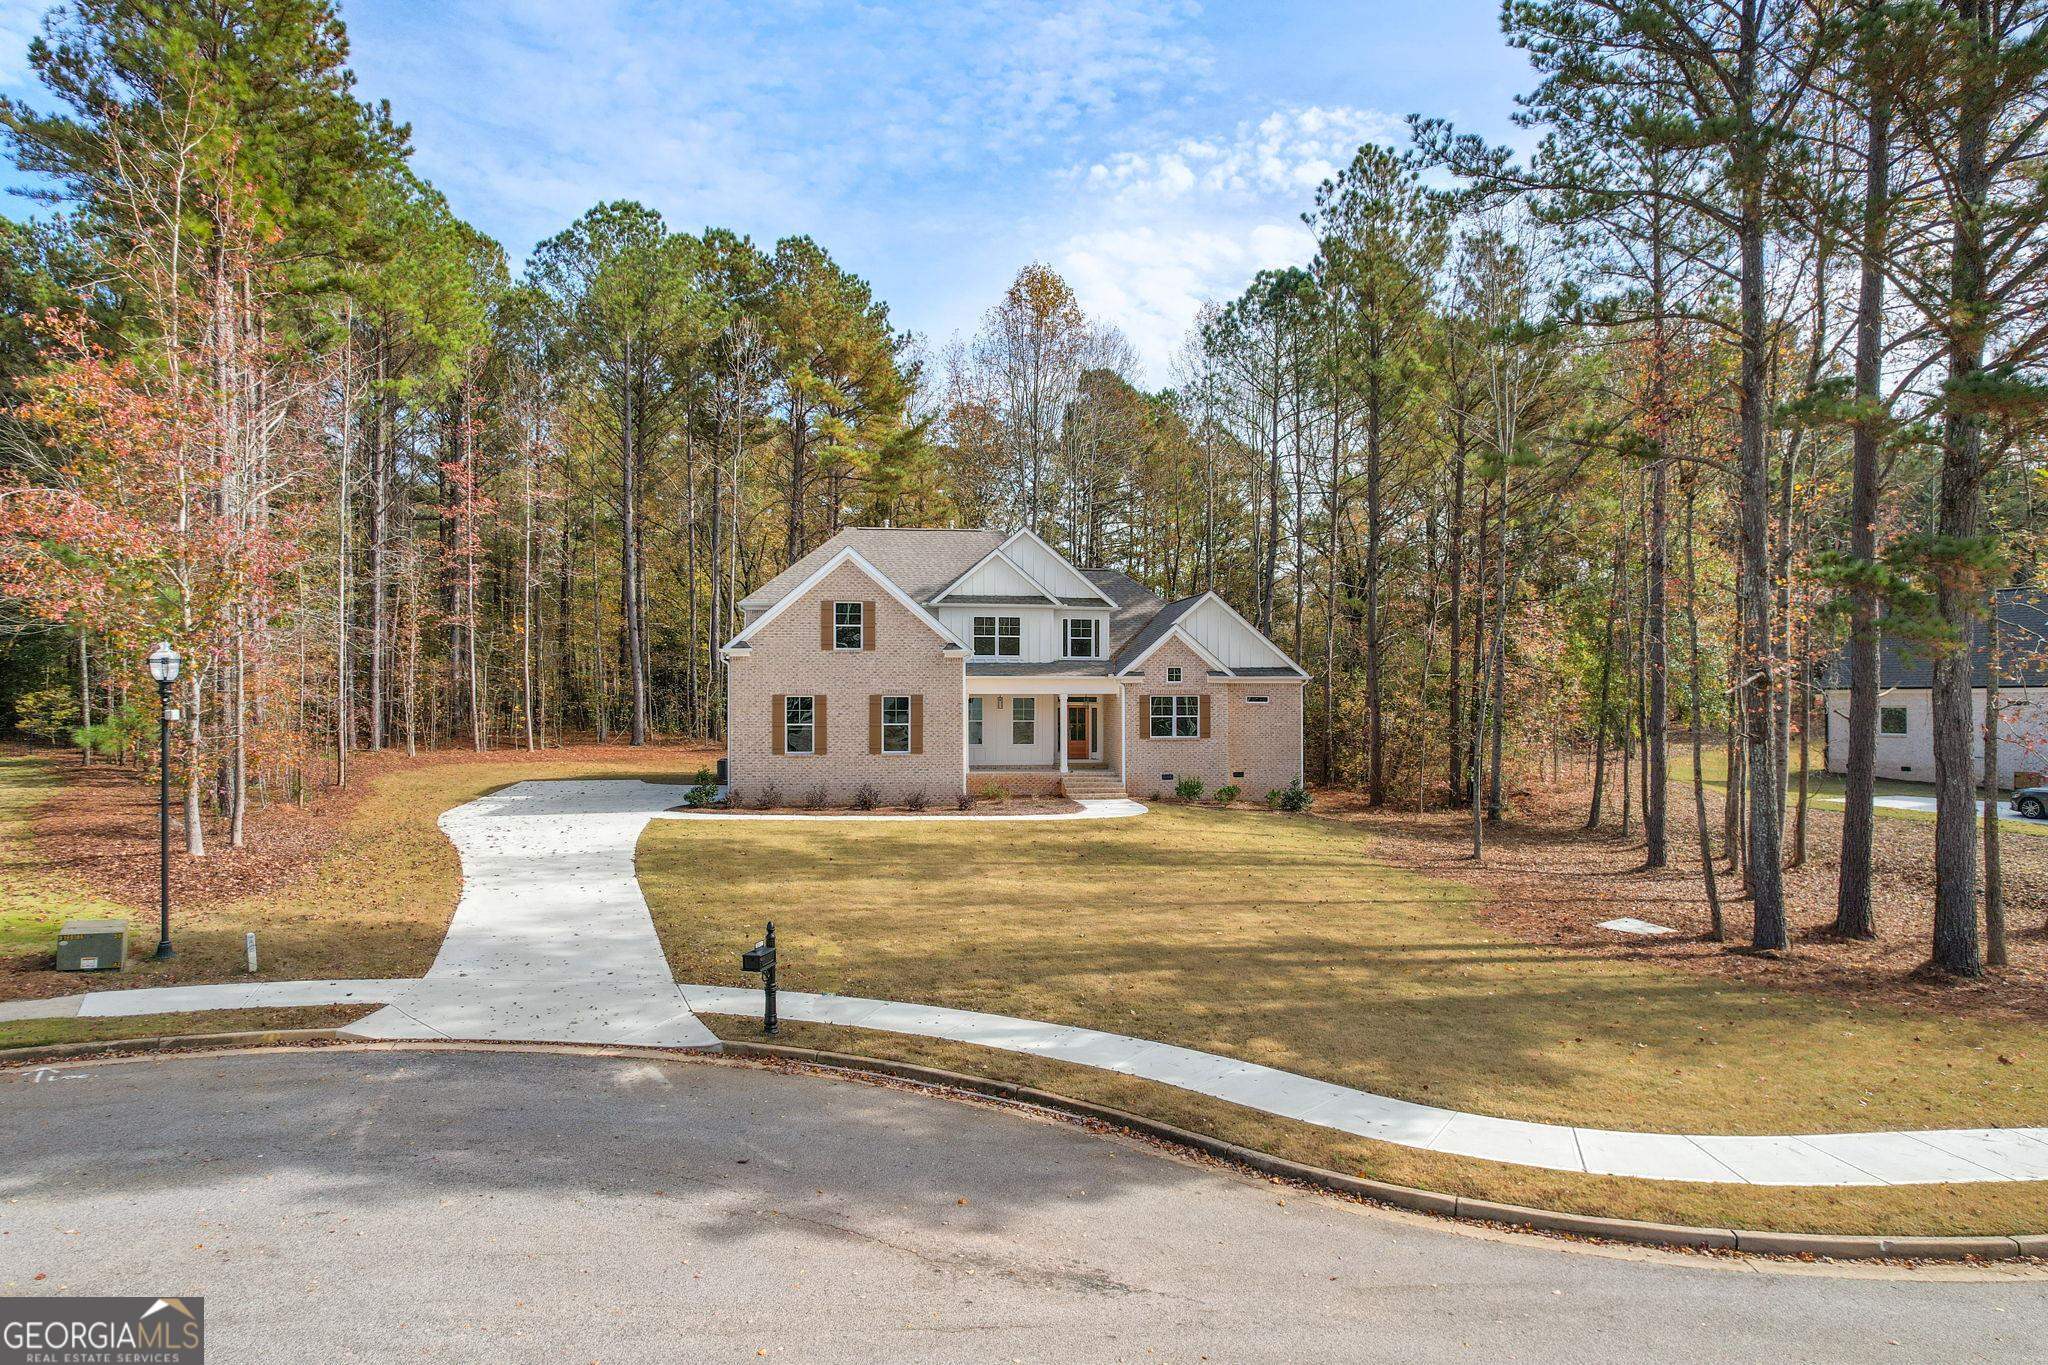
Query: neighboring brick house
(936, 661)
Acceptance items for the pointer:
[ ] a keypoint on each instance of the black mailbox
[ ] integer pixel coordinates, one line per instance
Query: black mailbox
(761, 958)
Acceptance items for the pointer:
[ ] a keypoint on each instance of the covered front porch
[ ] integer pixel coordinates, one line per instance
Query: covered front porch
(1037, 731)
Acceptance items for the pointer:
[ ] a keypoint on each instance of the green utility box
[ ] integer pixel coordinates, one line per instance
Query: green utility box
(92, 945)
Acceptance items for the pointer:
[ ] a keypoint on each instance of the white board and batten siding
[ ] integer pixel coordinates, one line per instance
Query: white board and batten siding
(996, 578)
(1217, 629)
(1041, 637)
(1059, 578)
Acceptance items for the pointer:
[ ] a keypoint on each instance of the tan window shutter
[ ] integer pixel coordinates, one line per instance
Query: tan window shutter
(1205, 715)
(874, 722)
(867, 619)
(818, 712)
(825, 624)
(917, 724)
(779, 702)
(1143, 702)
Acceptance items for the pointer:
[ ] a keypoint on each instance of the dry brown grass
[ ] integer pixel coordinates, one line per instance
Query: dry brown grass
(46, 1032)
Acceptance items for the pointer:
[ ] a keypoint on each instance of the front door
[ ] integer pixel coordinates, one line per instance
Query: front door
(1082, 731)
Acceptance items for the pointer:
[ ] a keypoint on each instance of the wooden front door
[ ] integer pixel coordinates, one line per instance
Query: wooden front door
(1082, 733)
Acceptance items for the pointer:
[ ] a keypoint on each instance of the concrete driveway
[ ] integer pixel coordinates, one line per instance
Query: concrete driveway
(350, 1205)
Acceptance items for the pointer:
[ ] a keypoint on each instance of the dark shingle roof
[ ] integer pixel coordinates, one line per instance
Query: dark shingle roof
(1007, 668)
(1160, 622)
(2022, 649)
(1135, 604)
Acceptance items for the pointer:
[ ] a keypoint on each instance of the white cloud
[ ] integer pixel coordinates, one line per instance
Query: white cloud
(1288, 152)
(1157, 230)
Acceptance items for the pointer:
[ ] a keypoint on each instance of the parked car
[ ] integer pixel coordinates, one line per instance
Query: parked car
(2031, 802)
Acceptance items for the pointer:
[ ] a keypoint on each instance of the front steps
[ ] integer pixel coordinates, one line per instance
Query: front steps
(1092, 784)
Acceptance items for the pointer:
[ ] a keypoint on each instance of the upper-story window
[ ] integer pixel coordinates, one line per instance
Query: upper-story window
(1083, 637)
(1173, 673)
(849, 625)
(999, 636)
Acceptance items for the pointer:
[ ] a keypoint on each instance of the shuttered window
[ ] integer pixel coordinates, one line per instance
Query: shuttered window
(849, 625)
(799, 725)
(895, 725)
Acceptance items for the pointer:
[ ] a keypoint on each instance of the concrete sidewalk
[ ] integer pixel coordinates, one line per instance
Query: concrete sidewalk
(553, 942)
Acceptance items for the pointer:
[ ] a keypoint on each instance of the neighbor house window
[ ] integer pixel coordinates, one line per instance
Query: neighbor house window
(1173, 674)
(895, 725)
(1176, 717)
(998, 635)
(974, 720)
(1891, 720)
(1081, 638)
(799, 725)
(1023, 720)
(849, 626)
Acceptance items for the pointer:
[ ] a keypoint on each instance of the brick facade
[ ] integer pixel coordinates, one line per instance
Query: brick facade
(788, 659)
(1262, 741)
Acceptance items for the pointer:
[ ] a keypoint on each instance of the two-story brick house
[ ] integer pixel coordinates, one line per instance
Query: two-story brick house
(937, 661)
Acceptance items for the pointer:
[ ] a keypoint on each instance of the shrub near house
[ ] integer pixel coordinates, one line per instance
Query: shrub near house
(890, 664)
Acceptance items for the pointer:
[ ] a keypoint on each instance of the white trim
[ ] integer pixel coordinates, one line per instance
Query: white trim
(1238, 616)
(1173, 720)
(1015, 568)
(1187, 639)
(996, 615)
(1095, 630)
(1071, 566)
(860, 648)
(849, 555)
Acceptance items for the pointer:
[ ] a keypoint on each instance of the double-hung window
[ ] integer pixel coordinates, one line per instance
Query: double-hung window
(799, 725)
(1023, 721)
(974, 720)
(1176, 718)
(998, 636)
(849, 625)
(1081, 637)
(895, 725)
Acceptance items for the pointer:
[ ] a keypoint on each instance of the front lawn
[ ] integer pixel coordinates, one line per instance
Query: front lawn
(1282, 941)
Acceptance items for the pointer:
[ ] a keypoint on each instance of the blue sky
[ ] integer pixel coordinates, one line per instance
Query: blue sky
(1156, 152)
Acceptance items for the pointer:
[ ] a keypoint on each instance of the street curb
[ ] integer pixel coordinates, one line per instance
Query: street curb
(274, 1037)
(1833, 1247)
(1801, 1244)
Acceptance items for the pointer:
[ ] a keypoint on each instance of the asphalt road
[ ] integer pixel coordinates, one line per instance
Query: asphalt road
(357, 1205)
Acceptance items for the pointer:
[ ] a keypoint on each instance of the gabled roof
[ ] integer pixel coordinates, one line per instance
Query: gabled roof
(1155, 630)
(920, 562)
(917, 566)
(844, 556)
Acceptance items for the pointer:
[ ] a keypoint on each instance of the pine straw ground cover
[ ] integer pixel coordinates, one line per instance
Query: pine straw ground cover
(1300, 943)
(356, 884)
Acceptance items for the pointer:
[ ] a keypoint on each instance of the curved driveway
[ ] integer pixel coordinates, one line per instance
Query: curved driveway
(515, 1206)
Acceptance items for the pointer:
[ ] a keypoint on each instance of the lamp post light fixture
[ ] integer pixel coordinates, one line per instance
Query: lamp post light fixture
(163, 666)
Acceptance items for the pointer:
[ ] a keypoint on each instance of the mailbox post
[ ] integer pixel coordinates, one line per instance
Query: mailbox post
(761, 958)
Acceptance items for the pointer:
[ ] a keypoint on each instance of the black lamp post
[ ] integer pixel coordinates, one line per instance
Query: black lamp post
(163, 666)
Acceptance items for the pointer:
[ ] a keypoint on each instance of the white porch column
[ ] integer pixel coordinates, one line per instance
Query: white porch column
(1060, 732)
